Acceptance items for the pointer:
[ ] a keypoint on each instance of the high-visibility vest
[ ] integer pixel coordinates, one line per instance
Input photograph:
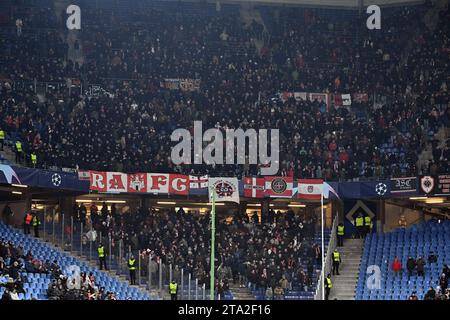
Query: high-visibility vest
(336, 256)
(360, 222)
(101, 251)
(33, 158)
(2, 135)
(340, 230)
(173, 288)
(367, 221)
(28, 218)
(36, 221)
(132, 264)
(19, 146)
(329, 284)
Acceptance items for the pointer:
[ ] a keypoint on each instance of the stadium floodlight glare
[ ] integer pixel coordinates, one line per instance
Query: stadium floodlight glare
(19, 185)
(254, 205)
(296, 205)
(418, 198)
(16, 192)
(83, 200)
(166, 202)
(115, 201)
(217, 204)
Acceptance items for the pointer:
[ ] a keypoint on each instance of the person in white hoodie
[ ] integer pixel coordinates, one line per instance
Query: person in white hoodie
(14, 295)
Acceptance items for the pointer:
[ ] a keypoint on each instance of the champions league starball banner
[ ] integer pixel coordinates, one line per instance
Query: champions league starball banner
(259, 187)
(42, 178)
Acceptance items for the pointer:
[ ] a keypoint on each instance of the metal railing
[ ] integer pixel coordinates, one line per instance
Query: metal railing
(330, 248)
(81, 239)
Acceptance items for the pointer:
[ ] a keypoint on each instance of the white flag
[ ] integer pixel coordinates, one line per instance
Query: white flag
(346, 99)
(224, 189)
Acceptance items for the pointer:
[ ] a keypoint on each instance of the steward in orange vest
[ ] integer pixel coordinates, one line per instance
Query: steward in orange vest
(27, 223)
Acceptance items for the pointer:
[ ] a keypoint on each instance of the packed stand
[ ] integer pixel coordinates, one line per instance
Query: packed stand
(128, 54)
(277, 255)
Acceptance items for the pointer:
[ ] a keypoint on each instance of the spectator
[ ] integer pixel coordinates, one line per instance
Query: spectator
(411, 265)
(7, 214)
(413, 296)
(269, 293)
(396, 265)
(420, 267)
(430, 294)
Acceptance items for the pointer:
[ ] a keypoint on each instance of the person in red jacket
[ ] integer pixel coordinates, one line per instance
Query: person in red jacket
(396, 265)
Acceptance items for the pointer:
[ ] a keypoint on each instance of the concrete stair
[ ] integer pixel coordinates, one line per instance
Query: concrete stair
(93, 263)
(241, 293)
(344, 285)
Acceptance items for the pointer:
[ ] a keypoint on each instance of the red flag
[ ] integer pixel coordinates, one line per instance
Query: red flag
(253, 187)
(278, 187)
(137, 182)
(178, 184)
(310, 189)
(97, 181)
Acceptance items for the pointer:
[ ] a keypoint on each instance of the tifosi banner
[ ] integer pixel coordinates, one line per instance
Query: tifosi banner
(310, 189)
(181, 84)
(278, 187)
(155, 183)
(319, 96)
(223, 189)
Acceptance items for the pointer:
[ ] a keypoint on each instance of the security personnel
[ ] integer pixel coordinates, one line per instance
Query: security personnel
(328, 286)
(36, 222)
(336, 261)
(173, 290)
(367, 225)
(132, 268)
(102, 256)
(2, 139)
(340, 235)
(18, 151)
(33, 159)
(27, 223)
(359, 223)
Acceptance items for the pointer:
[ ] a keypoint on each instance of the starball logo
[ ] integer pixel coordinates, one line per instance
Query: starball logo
(235, 153)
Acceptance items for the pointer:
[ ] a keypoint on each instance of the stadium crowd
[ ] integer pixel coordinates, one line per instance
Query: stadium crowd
(130, 57)
(277, 253)
(15, 264)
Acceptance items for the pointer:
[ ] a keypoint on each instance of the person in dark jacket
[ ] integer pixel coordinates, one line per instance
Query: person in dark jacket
(421, 266)
(443, 282)
(6, 295)
(430, 295)
(446, 271)
(7, 213)
(411, 265)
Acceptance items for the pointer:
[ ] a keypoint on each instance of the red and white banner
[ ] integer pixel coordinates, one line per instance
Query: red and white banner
(197, 182)
(156, 183)
(137, 182)
(310, 189)
(278, 187)
(253, 187)
(179, 184)
(97, 181)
